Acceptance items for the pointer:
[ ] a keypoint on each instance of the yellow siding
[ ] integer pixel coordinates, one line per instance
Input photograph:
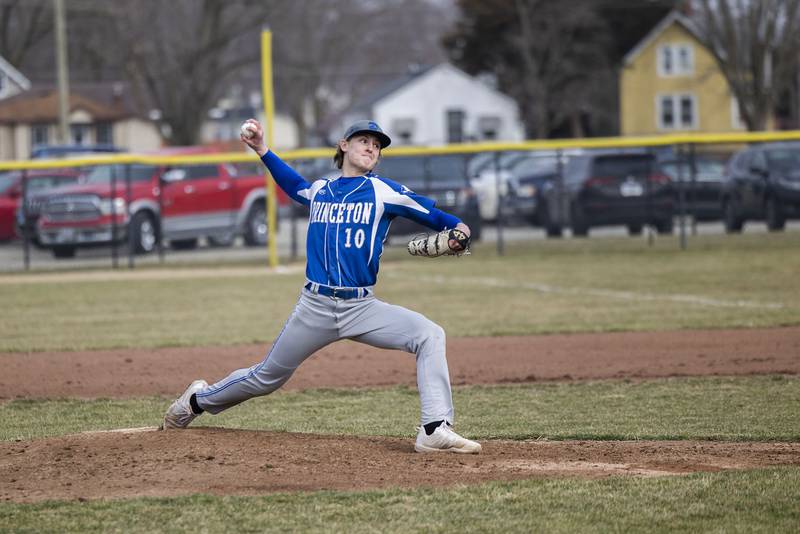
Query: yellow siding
(641, 84)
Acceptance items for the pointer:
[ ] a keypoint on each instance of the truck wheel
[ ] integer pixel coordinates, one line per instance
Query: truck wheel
(63, 251)
(144, 235)
(255, 229)
(580, 226)
(776, 219)
(664, 226)
(730, 216)
(183, 244)
(554, 231)
(551, 228)
(635, 229)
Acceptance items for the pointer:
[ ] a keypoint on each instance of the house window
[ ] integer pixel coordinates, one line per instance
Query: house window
(79, 133)
(403, 129)
(489, 127)
(675, 60)
(666, 113)
(455, 126)
(687, 111)
(38, 135)
(685, 59)
(104, 134)
(666, 61)
(678, 111)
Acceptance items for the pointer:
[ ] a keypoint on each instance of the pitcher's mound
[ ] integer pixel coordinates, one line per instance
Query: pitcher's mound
(146, 462)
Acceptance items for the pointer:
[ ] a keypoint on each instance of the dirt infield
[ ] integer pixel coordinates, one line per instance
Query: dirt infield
(477, 360)
(239, 462)
(146, 462)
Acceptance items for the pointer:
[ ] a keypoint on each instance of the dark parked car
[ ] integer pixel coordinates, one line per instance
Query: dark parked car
(609, 188)
(701, 192)
(528, 181)
(441, 178)
(762, 182)
(511, 183)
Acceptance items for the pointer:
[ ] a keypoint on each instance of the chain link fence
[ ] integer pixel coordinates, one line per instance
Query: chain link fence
(185, 207)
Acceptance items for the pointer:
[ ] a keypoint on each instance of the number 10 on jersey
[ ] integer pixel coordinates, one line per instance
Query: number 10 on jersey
(358, 239)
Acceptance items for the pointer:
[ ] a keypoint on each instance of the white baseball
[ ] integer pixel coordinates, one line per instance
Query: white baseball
(248, 130)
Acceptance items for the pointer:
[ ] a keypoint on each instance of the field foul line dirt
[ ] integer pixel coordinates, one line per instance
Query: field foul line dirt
(137, 430)
(605, 293)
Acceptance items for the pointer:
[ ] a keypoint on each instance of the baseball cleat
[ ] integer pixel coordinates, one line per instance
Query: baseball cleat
(444, 439)
(180, 413)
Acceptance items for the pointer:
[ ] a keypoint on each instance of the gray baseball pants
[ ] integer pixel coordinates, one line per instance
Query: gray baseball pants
(319, 320)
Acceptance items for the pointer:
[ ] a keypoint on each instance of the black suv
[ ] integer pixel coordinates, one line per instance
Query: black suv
(762, 182)
(609, 188)
(700, 181)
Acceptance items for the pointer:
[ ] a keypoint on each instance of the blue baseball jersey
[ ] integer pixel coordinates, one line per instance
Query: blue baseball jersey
(349, 218)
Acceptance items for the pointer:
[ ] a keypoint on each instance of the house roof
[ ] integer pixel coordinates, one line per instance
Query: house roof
(673, 17)
(14, 74)
(41, 105)
(370, 99)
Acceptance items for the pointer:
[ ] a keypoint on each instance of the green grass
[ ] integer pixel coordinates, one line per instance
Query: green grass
(548, 286)
(544, 287)
(754, 501)
(747, 408)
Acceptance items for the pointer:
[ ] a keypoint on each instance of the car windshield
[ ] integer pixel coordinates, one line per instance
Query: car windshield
(785, 159)
(486, 161)
(36, 183)
(703, 168)
(7, 179)
(447, 171)
(415, 173)
(533, 166)
(621, 166)
(104, 173)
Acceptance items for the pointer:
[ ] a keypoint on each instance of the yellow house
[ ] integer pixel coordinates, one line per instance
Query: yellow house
(671, 83)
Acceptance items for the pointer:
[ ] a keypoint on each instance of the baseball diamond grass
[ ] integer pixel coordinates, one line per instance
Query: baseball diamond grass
(567, 285)
(755, 408)
(608, 284)
(746, 501)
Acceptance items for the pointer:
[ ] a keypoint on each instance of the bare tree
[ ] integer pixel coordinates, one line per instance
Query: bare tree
(549, 55)
(755, 45)
(24, 25)
(182, 54)
(556, 75)
(331, 52)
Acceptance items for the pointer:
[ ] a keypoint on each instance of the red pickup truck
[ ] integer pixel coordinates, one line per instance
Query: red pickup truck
(141, 204)
(11, 190)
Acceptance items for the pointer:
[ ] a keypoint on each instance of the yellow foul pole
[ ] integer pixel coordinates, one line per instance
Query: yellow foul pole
(269, 114)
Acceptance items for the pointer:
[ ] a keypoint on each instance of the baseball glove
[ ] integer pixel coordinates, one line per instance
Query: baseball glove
(434, 245)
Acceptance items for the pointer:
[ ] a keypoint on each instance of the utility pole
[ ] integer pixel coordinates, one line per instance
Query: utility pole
(63, 72)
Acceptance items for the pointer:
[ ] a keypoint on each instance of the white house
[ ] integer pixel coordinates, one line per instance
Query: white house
(435, 106)
(225, 119)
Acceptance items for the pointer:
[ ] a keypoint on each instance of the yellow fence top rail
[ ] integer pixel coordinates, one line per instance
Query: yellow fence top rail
(463, 148)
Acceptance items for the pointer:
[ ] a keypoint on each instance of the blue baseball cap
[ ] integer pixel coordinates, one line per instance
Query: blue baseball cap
(367, 126)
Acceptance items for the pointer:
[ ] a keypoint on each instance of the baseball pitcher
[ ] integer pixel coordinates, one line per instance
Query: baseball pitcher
(349, 218)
